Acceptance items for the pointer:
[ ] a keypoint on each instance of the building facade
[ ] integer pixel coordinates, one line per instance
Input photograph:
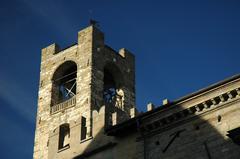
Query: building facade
(86, 109)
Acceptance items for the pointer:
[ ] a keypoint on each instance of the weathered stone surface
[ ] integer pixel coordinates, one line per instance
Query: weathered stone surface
(197, 126)
(91, 56)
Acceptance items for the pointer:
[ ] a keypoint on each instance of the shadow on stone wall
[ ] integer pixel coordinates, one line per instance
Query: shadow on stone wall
(208, 130)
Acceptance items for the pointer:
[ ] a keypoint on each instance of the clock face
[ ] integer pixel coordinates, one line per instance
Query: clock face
(109, 95)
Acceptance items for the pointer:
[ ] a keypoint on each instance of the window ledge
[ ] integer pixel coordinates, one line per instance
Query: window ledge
(64, 148)
(89, 138)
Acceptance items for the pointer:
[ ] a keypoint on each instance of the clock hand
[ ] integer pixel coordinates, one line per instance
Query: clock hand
(175, 135)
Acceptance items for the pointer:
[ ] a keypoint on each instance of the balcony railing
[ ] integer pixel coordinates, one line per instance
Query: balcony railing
(64, 105)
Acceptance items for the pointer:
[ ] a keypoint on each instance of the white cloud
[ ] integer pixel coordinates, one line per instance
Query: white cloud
(15, 133)
(18, 98)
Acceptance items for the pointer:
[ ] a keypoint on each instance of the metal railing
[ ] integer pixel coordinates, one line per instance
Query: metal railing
(64, 105)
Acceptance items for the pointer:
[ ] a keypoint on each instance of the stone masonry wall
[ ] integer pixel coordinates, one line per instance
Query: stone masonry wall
(195, 127)
(202, 131)
(90, 55)
(47, 124)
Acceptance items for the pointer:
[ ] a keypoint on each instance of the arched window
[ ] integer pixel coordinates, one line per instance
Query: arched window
(64, 82)
(64, 136)
(113, 83)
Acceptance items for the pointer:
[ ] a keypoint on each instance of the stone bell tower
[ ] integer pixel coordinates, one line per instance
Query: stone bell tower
(83, 89)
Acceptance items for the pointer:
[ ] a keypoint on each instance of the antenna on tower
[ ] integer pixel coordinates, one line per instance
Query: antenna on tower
(94, 23)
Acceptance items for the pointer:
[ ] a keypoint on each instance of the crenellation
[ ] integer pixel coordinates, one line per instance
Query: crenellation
(86, 109)
(150, 106)
(126, 54)
(133, 112)
(49, 51)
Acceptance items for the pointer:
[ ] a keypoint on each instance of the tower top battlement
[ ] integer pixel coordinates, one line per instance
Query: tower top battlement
(90, 33)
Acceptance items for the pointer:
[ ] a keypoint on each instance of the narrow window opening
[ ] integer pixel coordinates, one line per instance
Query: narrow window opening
(109, 87)
(64, 136)
(83, 129)
(113, 86)
(219, 118)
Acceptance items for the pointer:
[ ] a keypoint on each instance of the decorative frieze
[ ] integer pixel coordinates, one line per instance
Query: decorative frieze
(193, 110)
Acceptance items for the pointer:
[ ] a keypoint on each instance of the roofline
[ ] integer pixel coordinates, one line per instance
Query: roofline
(132, 121)
(212, 86)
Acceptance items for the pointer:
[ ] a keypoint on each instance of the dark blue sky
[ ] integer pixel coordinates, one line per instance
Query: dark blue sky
(180, 47)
